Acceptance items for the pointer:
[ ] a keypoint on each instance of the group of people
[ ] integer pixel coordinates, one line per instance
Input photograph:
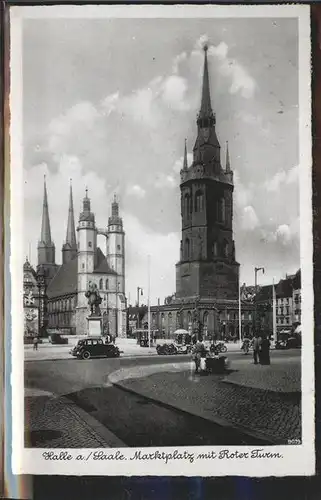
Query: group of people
(261, 349)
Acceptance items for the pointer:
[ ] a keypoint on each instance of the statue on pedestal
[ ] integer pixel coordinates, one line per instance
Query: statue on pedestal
(94, 299)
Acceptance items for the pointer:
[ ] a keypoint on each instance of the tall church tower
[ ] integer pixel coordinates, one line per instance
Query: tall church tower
(207, 266)
(46, 247)
(87, 243)
(69, 248)
(116, 245)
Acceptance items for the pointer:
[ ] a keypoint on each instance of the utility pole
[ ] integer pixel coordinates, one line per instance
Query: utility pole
(139, 289)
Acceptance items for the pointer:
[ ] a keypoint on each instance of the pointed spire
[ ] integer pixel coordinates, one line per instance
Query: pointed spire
(45, 224)
(115, 207)
(185, 165)
(206, 107)
(71, 232)
(86, 202)
(228, 165)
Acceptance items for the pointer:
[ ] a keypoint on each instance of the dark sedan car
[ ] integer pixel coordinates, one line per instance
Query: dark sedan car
(94, 347)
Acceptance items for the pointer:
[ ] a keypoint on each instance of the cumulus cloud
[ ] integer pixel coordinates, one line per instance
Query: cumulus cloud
(136, 191)
(174, 92)
(241, 81)
(250, 220)
(178, 165)
(282, 178)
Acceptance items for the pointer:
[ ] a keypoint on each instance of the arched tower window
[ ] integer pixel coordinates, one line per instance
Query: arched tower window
(221, 210)
(199, 201)
(215, 249)
(225, 248)
(187, 248)
(106, 284)
(187, 203)
(101, 284)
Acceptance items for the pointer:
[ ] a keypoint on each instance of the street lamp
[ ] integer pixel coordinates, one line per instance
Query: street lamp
(139, 292)
(256, 270)
(41, 284)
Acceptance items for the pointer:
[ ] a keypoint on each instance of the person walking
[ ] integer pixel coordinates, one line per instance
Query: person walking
(265, 351)
(256, 348)
(197, 353)
(35, 343)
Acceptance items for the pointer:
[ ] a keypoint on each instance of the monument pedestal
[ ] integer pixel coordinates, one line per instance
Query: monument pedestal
(94, 326)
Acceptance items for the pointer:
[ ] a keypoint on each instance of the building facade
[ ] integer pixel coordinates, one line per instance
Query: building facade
(207, 274)
(83, 262)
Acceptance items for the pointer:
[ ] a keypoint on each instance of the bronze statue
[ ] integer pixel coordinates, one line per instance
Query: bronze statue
(94, 299)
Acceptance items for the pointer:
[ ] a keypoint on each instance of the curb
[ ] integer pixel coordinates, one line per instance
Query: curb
(267, 440)
(98, 430)
(105, 437)
(75, 359)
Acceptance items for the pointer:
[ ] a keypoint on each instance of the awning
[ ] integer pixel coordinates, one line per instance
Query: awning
(180, 331)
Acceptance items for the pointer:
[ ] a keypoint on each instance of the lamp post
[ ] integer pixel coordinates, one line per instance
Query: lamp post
(41, 284)
(256, 270)
(139, 292)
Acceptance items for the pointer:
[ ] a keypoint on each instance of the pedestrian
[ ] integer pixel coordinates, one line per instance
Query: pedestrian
(265, 351)
(35, 343)
(256, 348)
(198, 352)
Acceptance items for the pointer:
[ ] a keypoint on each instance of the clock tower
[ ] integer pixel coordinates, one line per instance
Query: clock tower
(207, 265)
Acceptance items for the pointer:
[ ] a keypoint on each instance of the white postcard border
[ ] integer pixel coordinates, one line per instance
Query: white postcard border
(296, 460)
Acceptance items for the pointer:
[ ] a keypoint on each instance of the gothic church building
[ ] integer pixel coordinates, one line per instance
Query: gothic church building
(83, 262)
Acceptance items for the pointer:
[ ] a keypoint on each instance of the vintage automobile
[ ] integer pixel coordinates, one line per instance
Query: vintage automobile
(94, 347)
(56, 338)
(166, 349)
(288, 343)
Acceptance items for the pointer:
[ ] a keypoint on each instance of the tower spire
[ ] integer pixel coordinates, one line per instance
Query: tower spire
(228, 165)
(71, 232)
(45, 224)
(206, 107)
(185, 165)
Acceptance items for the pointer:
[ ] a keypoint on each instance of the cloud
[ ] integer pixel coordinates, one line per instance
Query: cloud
(174, 92)
(165, 181)
(282, 178)
(136, 191)
(241, 81)
(250, 220)
(178, 165)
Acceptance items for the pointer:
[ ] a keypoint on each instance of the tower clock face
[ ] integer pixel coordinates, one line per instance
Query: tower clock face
(206, 134)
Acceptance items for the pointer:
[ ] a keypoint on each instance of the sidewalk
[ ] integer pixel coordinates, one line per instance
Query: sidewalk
(242, 400)
(55, 422)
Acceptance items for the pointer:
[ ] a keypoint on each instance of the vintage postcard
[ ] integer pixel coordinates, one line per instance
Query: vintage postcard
(161, 240)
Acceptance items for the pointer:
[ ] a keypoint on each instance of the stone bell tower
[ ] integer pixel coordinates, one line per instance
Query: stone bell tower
(207, 265)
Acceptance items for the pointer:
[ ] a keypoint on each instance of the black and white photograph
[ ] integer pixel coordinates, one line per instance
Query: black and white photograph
(161, 240)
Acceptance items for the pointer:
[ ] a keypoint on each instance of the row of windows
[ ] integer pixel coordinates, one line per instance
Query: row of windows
(199, 206)
(217, 249)
(222, 316)
(284, 310)
(62, 304)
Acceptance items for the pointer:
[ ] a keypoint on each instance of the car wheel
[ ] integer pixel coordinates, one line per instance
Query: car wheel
(85, 355)
(224, 348)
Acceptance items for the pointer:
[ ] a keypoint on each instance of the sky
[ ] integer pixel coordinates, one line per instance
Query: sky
(109, 104)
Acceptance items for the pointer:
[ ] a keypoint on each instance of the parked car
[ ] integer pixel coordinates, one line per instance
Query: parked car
(94, 347)
(166, 349)
(288, 343)
(56, 338)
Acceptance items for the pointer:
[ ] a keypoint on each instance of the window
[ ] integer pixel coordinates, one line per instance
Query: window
(187, 248)
(199, 201)
(225, 248)
(89, 244)
(215, 249)
(106, 284)
(101, 286)
(221, 210)
(82, 266)
(250, 316)
(187, 205)
(118, 247)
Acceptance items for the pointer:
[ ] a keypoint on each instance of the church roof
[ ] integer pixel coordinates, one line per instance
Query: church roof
(102, 266)
(65, 281)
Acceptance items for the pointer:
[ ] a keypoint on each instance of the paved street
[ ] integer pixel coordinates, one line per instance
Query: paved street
(167, 404)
